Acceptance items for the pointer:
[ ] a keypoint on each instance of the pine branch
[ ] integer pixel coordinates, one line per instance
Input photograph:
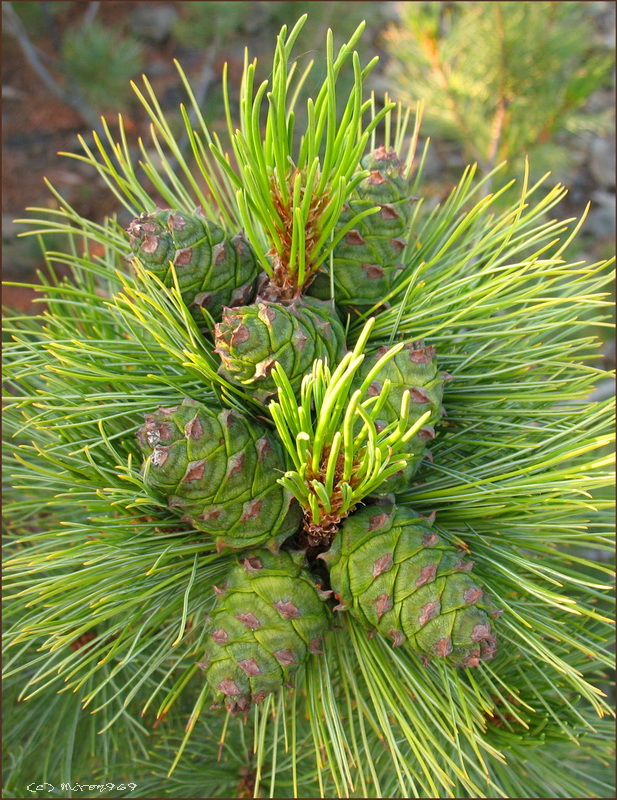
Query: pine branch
(518, 478)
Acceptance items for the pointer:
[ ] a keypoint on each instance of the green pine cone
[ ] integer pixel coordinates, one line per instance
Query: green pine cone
(396, 575)
(269, 617)
(367, 261)
(220, 469)
(413, 368)
(213, 271)
(252, 339)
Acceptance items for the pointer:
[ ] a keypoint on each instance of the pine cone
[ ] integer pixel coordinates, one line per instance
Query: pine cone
(220, 469)
(213, 271)
(395, 575)
(367, 261)
(270, 616)
(252, 339)
(413, 368)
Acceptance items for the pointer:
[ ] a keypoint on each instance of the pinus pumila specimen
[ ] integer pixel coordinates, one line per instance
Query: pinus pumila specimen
(101, 549)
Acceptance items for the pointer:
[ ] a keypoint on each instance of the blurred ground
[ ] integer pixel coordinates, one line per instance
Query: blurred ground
(37, 124)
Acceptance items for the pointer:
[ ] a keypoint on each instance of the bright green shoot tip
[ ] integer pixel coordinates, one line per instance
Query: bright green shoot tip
(290, 190)
(339, 454)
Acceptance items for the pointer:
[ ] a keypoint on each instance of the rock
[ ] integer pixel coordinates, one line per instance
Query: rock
(390, 11)
(608, 353)
(10, 228)
(153, 23)
(601, 219)
(20, 255)
(604, 18)
(603, 391)
(602, 162)
(600, 100)
(10, 93)
(257, 19)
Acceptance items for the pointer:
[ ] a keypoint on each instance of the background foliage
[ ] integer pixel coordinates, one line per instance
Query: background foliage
(505, 79)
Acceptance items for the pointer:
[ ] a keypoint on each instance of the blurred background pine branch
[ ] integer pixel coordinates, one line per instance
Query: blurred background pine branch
(500, 80)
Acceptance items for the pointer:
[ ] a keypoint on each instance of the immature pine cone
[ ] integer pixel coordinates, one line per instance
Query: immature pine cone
(252, 339)
(367, 261)
(413, 368)
(270, 615)
(397, 576)
(213, 270)
(220, 469)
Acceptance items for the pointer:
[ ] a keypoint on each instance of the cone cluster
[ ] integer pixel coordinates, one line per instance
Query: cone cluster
(219, 468)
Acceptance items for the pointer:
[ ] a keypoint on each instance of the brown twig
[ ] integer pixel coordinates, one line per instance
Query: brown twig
(15, 27)
(91, 12)
(499, 119)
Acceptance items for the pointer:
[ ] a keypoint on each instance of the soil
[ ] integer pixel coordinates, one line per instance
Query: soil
(37, 126)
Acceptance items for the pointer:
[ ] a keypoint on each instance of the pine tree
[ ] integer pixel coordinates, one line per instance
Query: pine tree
(118, 596)
(504, 79)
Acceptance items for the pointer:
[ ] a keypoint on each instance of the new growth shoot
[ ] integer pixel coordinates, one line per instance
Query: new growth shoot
(294, 195)
(339, 454)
